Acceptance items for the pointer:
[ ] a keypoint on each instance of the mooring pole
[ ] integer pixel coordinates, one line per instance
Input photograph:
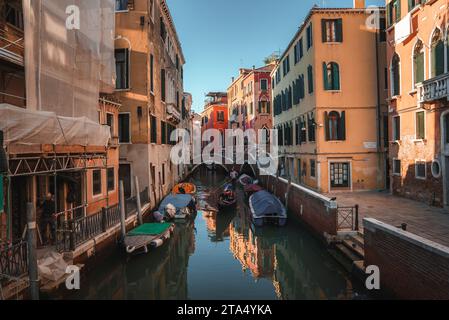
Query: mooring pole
(122, 210)
(32, 254)
(139, 204)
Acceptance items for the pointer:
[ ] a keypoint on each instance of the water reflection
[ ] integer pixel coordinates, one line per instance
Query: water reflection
(221, 256)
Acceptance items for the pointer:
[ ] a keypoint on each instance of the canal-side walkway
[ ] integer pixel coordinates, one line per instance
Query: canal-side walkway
(423, 220)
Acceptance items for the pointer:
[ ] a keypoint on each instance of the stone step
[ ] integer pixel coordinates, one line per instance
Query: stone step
(357, 239)
(355, 248)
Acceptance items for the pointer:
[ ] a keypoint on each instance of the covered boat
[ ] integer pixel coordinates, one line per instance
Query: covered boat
(267, 209)
(146, 236)
(185, 188)
(178, 206)
(251, 189)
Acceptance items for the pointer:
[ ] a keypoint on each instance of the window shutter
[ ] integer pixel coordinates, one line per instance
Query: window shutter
(419, 67)
(323, 30)
(336, 76)
(326, 123)
(339, 25)
(439, 58)
(268, 107)
(325, 78)
(398, 10)
(342, 127)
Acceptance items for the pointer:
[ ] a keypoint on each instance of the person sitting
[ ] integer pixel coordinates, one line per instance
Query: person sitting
(48, 219)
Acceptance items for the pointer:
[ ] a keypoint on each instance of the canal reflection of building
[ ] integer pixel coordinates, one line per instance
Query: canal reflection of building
(159, 275)
(218, 224)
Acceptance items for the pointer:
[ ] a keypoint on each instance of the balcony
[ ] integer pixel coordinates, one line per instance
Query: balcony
(11, 44)
(173, 114)
(434, 89)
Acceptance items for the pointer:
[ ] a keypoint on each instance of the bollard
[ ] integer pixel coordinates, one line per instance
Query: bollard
(139, 204)
(122, 210)
(32, 254)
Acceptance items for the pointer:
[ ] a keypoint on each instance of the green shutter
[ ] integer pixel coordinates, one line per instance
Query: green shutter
(398, 10)
(342, 127)
(325, 78)
(419, 67)
(438, 58)
(339, 25)
(335, 76)
(326, 124)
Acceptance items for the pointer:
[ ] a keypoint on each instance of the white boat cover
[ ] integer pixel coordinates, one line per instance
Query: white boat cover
(22, 126)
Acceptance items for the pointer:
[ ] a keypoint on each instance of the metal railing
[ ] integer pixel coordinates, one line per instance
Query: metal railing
(348, 218)
(13, 260)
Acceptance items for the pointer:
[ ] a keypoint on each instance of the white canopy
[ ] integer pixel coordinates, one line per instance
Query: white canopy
(22, 126)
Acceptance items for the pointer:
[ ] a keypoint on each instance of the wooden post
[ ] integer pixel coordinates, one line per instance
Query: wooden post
(139, 204)
(288, 191)
(32, 252)
(356, 217)
(122, 209)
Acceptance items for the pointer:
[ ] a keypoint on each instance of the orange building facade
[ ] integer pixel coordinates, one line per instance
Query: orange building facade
(418, 58)
(215, 113)
(329, 93)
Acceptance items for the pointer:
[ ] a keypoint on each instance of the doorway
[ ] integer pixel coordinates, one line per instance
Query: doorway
(125, 176)
(340, 175)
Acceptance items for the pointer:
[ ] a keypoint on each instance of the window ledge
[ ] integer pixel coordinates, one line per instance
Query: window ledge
(423, 141)
(413, 92)
(333, 42)
(122, 11)
(123, 90)
(333, 91)
(396, 174)
(421, 178)
(396, 97)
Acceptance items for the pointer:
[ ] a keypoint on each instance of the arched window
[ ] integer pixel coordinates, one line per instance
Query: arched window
(335, 126)
(437, 54)
(418, 63)
(331, 75)
(395, 75)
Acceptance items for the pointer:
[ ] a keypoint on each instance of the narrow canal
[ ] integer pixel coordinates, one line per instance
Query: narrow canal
(220, 256)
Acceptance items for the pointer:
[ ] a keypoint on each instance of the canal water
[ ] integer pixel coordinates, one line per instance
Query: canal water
(220, 256)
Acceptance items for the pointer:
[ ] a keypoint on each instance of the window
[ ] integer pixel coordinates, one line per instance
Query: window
(122, 68)
(395, 76)
(311, 126)
(397, 169)
(335, 126)
(437, 54)
(264, 107)
(420, 125)
(96, 182)
(151, 73)
(299, 51)
(394, 11)
(14, 16)
(111, 179)
(286, 65)
(163, 30)
(163, 132)
(382, 31)
(309, 36)
(310, 78)
(340, 175)
(313, 168)
(397, 128)
(163, 85)
(299, 170)
(121, 5)
(153, 124)
(220, 116)
(264, 84)
(420, 170)
(414, 3)
(418, 62)
(124, 123)
(446, 128)
(332, 30)
(331, 75)
(110, 122)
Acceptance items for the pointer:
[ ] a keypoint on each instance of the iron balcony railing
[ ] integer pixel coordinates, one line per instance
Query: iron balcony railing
(434, 89)
(13, 260)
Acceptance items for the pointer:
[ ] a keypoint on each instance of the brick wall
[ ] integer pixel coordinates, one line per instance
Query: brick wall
(312, 208)
(411, 267)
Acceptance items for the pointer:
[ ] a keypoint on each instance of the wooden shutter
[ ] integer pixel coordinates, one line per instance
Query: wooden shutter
(323, 30)
(325, 78)
(339, 31)
(326, 125)
(419, 67)
(335, 76)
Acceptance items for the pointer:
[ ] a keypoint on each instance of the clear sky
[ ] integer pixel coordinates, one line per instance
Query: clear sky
(220, 36)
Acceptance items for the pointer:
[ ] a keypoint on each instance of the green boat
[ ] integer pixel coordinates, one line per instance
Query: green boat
(146, 236)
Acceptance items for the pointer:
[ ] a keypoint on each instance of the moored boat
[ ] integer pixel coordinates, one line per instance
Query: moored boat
(146, 236)
(184, 188)
(267, 209)
(252, 189)
(245, 180)
(178, 207)
(228, 197)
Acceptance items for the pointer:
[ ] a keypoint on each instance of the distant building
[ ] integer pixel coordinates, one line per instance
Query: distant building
(329, 93)
(249, 99)
(419, 111)
(215, 114)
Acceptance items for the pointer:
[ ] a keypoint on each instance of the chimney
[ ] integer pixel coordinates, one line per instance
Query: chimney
(359, 4)
(233, 79)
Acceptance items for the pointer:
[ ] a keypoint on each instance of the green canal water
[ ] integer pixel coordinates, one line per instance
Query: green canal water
(220, 256)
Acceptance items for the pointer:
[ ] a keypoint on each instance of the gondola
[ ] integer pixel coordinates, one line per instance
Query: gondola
(147, 236)
(228, 197)
(267, 209)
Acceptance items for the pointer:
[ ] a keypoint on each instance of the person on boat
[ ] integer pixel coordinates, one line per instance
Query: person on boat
(234, 174)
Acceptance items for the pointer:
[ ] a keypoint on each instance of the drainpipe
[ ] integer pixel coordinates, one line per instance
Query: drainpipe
(378, 111)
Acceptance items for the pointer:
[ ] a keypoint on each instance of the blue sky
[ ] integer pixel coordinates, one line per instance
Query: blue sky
(220, 36)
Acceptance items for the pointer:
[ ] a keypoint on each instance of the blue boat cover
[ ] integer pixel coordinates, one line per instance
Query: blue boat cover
(180, 201)
(264, 203)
